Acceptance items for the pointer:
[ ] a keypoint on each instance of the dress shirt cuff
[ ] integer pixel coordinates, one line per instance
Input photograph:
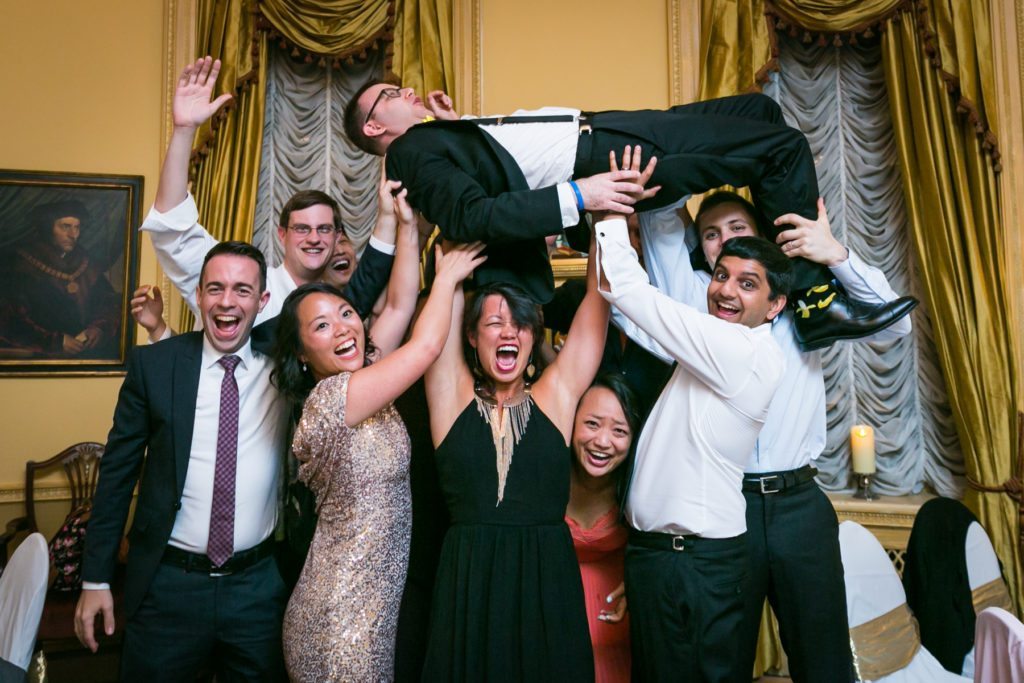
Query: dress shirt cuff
(179, 219)
(166, 334)
(617, 259)
(567, 205)
(381, 246)
(91, 586)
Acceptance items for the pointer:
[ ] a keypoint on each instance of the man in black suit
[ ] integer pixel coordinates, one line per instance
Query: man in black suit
(197, 419)
(532, 174)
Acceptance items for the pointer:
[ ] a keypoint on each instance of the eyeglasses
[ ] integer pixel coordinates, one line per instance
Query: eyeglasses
(321, 230)
(389, 93)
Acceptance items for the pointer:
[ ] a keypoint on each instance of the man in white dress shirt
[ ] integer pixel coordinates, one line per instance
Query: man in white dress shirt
(792, 531)
(200, 429)
(686, 562)
(308, 225)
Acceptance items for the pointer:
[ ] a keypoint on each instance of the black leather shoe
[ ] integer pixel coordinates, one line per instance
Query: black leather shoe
(824, 315)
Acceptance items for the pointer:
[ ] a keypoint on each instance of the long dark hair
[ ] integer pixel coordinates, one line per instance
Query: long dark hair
(630, 405)
(288, 376)
(525, 314)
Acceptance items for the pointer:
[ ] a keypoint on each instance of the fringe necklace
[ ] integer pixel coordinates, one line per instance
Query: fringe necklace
(508, 424)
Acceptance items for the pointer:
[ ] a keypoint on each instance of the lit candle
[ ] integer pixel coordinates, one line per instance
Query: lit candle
(862, 449)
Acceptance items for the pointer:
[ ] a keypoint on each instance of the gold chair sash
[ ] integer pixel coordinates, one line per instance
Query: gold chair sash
(885, 644)
(991, 594)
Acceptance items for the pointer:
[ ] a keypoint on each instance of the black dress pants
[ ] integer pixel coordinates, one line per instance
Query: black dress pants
(685, 610)
(191, 622)
(793, 544)
(740, 141)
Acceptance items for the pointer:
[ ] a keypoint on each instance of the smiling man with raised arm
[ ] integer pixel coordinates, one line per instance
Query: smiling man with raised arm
(686, 561)
(308, 226)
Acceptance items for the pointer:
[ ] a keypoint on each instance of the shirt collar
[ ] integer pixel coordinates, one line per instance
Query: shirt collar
(212, 356)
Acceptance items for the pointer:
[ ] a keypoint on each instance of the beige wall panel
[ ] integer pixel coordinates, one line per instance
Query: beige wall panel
(83, 86)
(592, 55)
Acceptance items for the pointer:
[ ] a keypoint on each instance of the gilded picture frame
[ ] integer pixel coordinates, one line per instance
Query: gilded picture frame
(68, 265)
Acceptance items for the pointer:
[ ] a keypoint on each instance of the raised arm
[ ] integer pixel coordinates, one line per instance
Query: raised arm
(389, 328)
(373, 387)
(449, 383)
(559, 389)
(180, 242)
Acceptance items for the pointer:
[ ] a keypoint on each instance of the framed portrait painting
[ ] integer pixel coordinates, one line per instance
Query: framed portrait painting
(68, 266)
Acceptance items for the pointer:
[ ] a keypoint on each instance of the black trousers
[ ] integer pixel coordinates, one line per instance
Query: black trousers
(190, 622)
(793, 544)
(685, 610)
(740, 141)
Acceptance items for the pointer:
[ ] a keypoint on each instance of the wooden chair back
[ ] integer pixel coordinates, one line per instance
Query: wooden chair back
(81, 464)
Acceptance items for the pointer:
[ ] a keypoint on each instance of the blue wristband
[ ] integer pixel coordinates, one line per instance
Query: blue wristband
(579, 197)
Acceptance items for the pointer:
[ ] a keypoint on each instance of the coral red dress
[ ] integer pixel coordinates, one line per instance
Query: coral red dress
(601, 551)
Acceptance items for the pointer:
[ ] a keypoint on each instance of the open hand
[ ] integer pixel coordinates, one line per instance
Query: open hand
(813, 240)
(192, 107)
(147, 307)
(459, 261)
(90, 604)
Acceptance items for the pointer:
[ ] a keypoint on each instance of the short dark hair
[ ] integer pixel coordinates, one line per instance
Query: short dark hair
(237, 248)
(307, 198)
(525, 314)
(288, 375)
(352, 120)
(727, 197)
(777, 265)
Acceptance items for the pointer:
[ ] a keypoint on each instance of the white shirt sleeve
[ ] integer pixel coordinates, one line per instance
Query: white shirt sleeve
(90, 586)
(868, 284)
(181, 244)
(567, 204)
(667, 259)
(381, 246)
(722, 355)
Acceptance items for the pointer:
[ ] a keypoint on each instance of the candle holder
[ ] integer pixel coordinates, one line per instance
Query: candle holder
(864, 486)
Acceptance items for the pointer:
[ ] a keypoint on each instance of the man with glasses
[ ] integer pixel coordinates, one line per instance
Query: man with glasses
(513, 180)
(309, 224)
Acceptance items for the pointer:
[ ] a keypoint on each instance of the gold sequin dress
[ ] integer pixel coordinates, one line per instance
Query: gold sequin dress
(341, 620)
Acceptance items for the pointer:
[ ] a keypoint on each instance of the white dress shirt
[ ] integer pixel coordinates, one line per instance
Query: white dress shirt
(181, 244)
(795, 430)
(545, 152)
(691, 451)
(262, 429)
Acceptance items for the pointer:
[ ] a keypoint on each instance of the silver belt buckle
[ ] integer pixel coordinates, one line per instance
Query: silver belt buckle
(679, 543)
(763, 480)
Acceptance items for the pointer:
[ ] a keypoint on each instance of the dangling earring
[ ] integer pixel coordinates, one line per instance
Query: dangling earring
(303, 366)
(530, 369)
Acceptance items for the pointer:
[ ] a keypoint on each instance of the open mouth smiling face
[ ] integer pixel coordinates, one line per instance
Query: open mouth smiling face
(332, 335)
(503, 347)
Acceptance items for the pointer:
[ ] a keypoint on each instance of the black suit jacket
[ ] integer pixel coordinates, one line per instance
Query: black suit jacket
(462, 180)
(153, 424)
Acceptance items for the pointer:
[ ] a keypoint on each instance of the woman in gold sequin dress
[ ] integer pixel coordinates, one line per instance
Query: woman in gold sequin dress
(353, 452)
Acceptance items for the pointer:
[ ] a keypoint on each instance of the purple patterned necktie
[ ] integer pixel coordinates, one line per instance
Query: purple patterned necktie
(222, 512)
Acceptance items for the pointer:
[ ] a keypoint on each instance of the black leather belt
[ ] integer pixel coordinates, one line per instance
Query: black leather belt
(194, 562)
(777, 482)
(678, 543)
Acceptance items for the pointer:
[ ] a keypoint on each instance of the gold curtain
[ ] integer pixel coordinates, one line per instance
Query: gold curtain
(939, 73)
(226, 157)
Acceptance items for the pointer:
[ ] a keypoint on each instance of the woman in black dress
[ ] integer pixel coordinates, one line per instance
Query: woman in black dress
(508, 602)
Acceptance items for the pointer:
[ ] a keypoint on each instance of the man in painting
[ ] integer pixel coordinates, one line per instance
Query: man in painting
(55, 302)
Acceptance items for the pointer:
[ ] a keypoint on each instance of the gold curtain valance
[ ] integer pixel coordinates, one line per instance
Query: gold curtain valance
(330, 31)
(953, 35)
(885, 644)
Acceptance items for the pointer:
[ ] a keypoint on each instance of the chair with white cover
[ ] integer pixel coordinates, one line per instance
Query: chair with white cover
(998, 647)
(986, 580)
(883, 633)
(22, 594)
